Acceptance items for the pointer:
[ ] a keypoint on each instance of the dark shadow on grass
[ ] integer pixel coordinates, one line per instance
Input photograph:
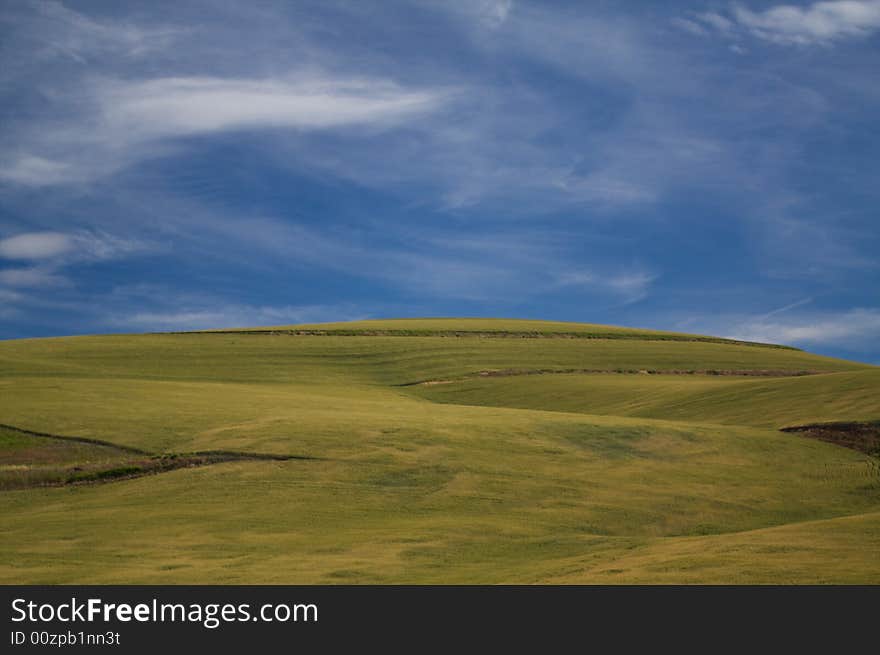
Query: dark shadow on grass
(863, 436)
(115, 462)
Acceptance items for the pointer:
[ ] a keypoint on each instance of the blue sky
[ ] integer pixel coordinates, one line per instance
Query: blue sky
(698, 166)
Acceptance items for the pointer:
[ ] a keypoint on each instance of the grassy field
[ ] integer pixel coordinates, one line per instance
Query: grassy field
(735, 400)
(30, 460)
(460, 451)
(490, 327)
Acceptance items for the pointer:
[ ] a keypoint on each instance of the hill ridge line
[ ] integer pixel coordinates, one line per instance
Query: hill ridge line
(482, 334)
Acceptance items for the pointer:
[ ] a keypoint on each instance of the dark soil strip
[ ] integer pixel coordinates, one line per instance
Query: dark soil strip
(94, 442)
(165, 463)
(863, 436)
(158, 464)
(230, 455)
(767, 373)
(138, 463)
(489, 334)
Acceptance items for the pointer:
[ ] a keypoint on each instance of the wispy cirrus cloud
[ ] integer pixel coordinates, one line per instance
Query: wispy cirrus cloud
(158, 307)
(503, 265)
(123, 122)
(69, 247)
(152, 307)
(55, 30)
(35, 245)
(47, 254)
(629, 287)
(799, 323)
(170, 107)
(819, 23)
(853, 329)
(38, 277)
(784, 308)
(33, 170)
(220, 314)
(477, 141)
(485, 13)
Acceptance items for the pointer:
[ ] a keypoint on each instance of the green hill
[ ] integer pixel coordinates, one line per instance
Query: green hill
(489, 327)
(431, 450)
(730, 399)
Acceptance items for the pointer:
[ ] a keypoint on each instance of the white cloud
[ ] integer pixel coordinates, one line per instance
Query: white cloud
(494, 142)
(75, 35)
(690, 26)
(186, 320)
(716, 20)
(172, 107)
(35, 245)
(429, 270)
(494, 12)
(129, 121)
(848, 329)
(817, 23)
(31, 170)
(608, 186)
(101, 246)
(65, 248)
(32, 277)
(786, 308)
(50, 253)
(9, 296)
(629, 287)
(234, 315)
(482, 13)
(632, 287)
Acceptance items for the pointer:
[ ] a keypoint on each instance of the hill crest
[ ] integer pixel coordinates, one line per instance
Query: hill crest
(487, 328)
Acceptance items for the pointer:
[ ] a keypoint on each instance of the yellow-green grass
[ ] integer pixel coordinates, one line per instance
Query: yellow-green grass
(488, 327)
(28, 460)
(478, 325)
(383, 360)
(835, 551)
(514, 505)
(768, 402)
(537, 488)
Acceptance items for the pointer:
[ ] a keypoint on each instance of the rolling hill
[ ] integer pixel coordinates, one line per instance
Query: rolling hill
(433, 450)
